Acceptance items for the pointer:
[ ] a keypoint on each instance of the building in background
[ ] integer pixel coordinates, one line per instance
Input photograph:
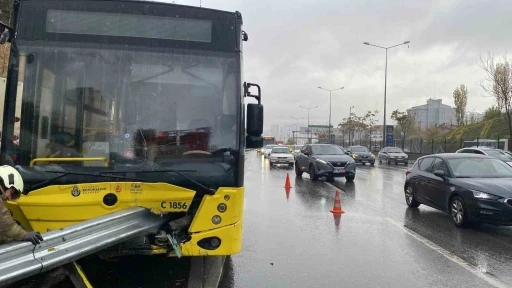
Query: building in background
(434, 113)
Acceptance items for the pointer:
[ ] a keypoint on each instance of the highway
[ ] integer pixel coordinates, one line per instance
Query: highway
(292, 240)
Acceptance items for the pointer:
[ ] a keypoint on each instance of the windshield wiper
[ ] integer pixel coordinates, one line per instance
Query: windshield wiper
(206, 189)
(66, 173)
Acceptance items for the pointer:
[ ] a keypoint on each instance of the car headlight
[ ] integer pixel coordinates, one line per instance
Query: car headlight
(321, 161)
(373, 156)
(483, 195)
(351, 160)
(354, 156)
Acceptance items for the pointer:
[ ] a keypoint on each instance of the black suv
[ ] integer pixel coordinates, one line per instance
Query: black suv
(325, 160)
(361, 154)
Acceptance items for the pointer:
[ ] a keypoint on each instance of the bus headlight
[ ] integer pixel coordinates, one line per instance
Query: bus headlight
(216, 219)
(222, 207)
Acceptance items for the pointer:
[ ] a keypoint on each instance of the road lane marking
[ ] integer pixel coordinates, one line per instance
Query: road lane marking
(495, 282)
(334, 187)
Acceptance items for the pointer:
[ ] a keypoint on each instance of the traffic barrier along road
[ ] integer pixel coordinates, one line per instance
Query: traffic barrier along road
(22, 259)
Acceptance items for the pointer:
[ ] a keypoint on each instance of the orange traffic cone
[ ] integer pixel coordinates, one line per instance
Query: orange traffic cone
(337, 218)
(287, 190)
(337, 204)
(287, 183)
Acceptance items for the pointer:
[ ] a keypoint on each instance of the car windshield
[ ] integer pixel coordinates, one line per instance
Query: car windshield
(395, 150)
(280, 150)
(479, 168)
(326, 150)
(500, 155)
(359, 149)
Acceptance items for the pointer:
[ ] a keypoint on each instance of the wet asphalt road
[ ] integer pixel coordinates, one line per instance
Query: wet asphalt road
(292, 240)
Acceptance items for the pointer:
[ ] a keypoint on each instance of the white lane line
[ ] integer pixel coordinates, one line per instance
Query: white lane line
(334, 187)
(495, 282)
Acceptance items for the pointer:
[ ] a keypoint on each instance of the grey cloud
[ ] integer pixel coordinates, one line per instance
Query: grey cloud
(296, 46)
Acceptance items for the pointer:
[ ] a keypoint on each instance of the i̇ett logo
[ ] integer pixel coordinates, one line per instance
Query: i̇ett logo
(75, 191)
(118, 188)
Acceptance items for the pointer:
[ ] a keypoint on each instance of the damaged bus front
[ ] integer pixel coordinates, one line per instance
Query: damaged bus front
(129, 103)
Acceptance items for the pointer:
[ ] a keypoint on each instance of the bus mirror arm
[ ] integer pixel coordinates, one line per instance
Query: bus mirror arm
(254, 119)
(247, 93)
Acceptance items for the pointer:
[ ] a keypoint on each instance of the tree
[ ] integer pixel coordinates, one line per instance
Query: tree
(405, 121)
(492, 113)
(460, 98)
(6, 12)
(498, 83)
(432, 132)
(353, 126)
(370, 121)
(322, 136)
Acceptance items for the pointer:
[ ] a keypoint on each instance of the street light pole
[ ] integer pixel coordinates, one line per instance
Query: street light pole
(296, 127)
(309, 131)
(349, 124)
(385, 83)
(330, 91)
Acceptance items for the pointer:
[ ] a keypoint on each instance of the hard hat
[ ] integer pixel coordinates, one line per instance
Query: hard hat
(11, 178)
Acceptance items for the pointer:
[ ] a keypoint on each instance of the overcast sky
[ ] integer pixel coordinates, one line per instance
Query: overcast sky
(296, 46)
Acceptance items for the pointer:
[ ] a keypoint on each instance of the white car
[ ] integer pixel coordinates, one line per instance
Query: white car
(296, 150)
(281, 155)
(493, 152)
(266, 150)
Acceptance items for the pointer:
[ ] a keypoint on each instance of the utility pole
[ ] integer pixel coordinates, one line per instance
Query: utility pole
(330, 91)
(309, 131)
(385, 83)
(349, 124)
(296, 127)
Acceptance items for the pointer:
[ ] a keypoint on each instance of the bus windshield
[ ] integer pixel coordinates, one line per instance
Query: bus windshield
(128, 104)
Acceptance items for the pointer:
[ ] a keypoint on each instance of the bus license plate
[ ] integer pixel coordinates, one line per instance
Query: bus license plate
(339, 170)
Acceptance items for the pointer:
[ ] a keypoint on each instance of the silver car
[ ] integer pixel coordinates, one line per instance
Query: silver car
(266, 150)
(296, 150)
(493, 152)
(393, 155)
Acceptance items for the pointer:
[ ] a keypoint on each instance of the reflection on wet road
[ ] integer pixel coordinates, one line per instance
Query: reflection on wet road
(292, 240)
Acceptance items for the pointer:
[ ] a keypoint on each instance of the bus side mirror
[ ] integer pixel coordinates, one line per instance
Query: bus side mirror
(254, 126)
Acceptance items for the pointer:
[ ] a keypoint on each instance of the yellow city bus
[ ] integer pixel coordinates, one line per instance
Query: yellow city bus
(131, 103)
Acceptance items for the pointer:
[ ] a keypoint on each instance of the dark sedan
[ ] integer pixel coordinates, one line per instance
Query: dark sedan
(361, 154)
(325, 160)
(471, 187)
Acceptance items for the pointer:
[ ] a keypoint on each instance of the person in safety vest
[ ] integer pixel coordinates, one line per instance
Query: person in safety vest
(11, 186)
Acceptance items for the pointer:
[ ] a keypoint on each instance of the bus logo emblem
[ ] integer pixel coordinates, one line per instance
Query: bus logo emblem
(75, 191)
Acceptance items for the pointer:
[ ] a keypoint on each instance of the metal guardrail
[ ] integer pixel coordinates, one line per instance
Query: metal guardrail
(22, 259)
